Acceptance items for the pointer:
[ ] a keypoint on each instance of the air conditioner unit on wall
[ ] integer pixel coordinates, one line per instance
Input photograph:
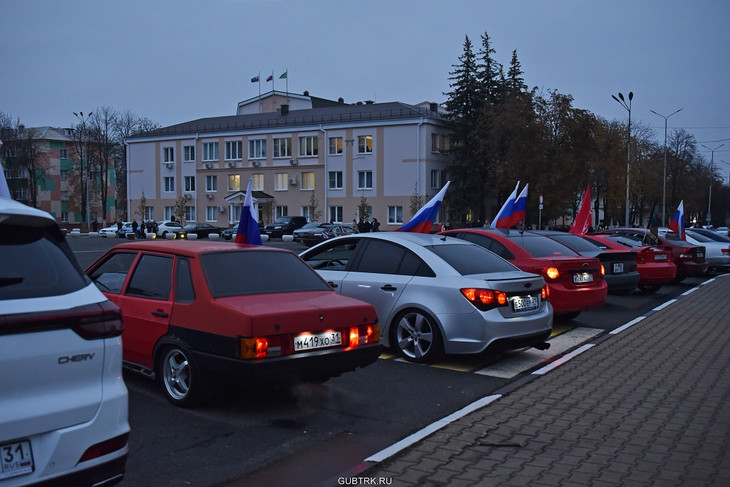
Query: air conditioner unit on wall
(293, 181)
(168, 165)
(221, 209)
(231, 164)
(209, 165)
(188, 196)
(255, 163)
(293, 162)
(209, 196)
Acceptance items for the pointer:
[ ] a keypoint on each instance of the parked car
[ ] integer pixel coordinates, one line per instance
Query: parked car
(576, 282)
(654, 263)
(284, 225)
(202, 230)
(715, 234)
(169, 227)
(198, 312)
(717, 251)
(229, 233)
(111, 230)
(689, 259)
(315, 232)
(436, 295)
(63, 402)
(621, 273)
(126, 228)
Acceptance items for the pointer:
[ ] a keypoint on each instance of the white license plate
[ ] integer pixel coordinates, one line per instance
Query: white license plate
(660, 257)
(15, 459)
(525, 303)
(618, 267)
(310, 341)
(582, 277)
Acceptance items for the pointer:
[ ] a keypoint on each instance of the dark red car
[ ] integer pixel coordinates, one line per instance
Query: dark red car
(575, 282)
(689, 259)
(654, 263)
(197, 311)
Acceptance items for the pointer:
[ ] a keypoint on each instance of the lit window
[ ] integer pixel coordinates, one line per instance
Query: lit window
(335, 146)
(364, 144)
(234, 182)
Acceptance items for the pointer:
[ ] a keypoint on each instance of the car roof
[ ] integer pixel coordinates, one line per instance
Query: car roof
(14, 212)
(192, 247)
(422, 239)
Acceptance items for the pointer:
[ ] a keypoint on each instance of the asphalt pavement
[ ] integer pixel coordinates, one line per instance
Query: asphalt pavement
(645, 405)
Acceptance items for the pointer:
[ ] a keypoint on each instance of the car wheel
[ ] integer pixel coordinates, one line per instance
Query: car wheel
(416, 336)
(567, 316)
(649, 288)
(179, 376)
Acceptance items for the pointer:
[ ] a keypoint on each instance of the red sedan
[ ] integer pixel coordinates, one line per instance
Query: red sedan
(198, 311)
(575, 282)
(654, 263)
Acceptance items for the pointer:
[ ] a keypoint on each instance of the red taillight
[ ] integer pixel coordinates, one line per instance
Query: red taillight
(105, 447)
(354, 337)
(545, 293)
(725, 251)
(551, 273)
(485, 299)
(603, 270)
(251, 348)
(686, 254)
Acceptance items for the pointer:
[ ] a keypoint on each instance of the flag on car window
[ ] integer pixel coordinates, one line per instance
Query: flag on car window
(423, 220)
(582, 221)
(248, 227)
(677, 223)
(513, 210)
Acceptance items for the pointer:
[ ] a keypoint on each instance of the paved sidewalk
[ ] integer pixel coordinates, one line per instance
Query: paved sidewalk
(648, 405)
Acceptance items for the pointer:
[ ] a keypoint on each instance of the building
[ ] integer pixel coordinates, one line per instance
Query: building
(323, 159)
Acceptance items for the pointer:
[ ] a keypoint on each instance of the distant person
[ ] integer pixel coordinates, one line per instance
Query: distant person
(376, 225)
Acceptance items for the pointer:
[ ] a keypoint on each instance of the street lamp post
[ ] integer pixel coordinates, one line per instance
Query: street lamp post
(712, 168)
(627, 106)
(664, 186)
(84, 165)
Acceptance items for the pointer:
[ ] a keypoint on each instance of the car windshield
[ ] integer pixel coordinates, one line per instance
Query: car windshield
(50, 272)
(539, 246)
(471, 259)
(241, 273)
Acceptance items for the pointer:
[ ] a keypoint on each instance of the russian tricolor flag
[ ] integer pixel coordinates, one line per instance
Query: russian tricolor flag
(423, 220)
(677, 223)
(514, 209)
(248, 227)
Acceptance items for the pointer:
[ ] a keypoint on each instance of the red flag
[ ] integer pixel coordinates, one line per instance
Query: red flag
(582, 221)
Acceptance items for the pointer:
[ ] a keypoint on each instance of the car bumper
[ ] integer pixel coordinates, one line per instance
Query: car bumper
(691, 269)
(568, 300)
(657, 273)
(721, 262)
(626, 281)
(315, 365)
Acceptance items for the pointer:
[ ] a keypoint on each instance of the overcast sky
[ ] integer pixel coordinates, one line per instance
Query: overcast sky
(179, 60)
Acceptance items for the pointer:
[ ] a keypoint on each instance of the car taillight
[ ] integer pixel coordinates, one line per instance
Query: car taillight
(641, 258)
(725, 251)
(686, 254)
(603, 270)
(254, 348)
(360, 335)
(92, 325)
(545, 293)
(485, 299)
(551, 273)
(104, 448)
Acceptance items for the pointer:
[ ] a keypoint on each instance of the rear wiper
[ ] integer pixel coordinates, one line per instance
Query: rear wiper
(10, 281)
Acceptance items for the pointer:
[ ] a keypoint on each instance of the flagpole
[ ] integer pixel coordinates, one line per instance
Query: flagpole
(259, 91)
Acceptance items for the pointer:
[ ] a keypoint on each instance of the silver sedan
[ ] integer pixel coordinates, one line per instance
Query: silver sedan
(437, 295)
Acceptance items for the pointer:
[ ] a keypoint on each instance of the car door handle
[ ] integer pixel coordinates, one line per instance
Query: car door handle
(161, 314)
(388, 287)
(332, 284)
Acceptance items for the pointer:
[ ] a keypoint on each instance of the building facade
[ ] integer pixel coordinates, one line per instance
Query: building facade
(324, 160)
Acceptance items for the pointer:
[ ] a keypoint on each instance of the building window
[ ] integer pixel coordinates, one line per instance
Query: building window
(282, 147)
(308, 146)
(364, 144)
(64, 217)
(169, 182)
(210, 151)
(211, 213)
(257, 149)
(308, 213)
(189, 153)
(435, 179)
(282, 181)
(282, 211)
(190, 183)
(234, 182)
(63, 153)
(445, 145)
(335, 180)
(335, 146)
(364, 180)
(211, 183)
(168, 154)
(307, 180)
(434, 142)
(335, 214)
(190, 213)
(168, 212)
(234, 150)
(258, 182)
(149, 213)
(395, 215)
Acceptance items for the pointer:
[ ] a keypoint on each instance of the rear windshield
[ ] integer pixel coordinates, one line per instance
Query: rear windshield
(540, 246)
(575, 242)
(256, 272)
(36, 263)
(471, 259)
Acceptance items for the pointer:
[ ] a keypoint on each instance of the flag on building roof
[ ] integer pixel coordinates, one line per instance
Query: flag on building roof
(423, 220)
(505, 215)
(255, 79)
(284, 74)
(677, 223)
(582, 221)
(248, 227)
(270, 78)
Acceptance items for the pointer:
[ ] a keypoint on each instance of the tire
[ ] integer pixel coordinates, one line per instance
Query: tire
(416, 336)
(567, 316)
(179, 377)
(649, 288)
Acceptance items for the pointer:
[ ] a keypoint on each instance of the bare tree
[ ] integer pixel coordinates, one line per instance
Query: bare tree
(23, 159)
(102, 147)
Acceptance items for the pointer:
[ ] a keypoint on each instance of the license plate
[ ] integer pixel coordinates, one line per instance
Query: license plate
(525, 303)
(321, 340)
(582, 277)
(618, 267)
(16, 459)
(660, 257)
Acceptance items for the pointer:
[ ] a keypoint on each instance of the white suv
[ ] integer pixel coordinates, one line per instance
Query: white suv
(63, 402)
